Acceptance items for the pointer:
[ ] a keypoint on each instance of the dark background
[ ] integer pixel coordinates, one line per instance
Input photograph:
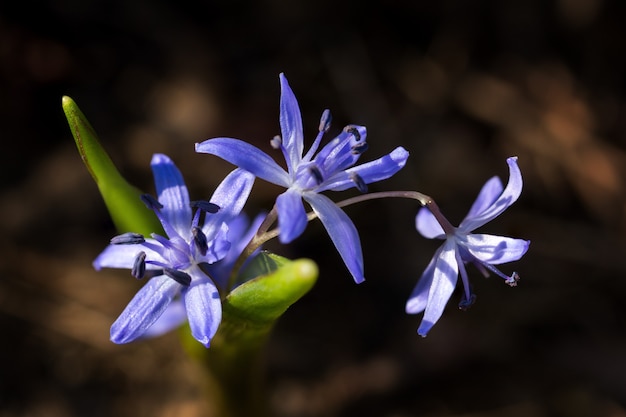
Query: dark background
(461, 85)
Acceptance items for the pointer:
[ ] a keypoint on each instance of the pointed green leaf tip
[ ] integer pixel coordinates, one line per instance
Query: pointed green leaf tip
(127, 211)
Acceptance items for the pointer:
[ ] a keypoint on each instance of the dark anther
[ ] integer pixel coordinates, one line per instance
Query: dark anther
(315, 171)
(358, 181)
(325, 121)
(181, 277)
(359, 148)
(200, 238)
(465, 303)
(129, 238)
(151, 202)
(139, 266)
(206, 206)
(353, 131)
(276, 142)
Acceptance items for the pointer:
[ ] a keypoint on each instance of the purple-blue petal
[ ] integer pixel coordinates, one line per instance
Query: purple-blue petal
(144, 309)
(487, 196)
(123, 256)
(496, 249)
(248, 157)
(445, 276)
(418, 300)
(290, 125)
(337, 155)
(203, 305)
(370, 172)
(173, 317)
(291, 215)
(231, 196)
(342, 232)
(510, 194)
(218, 246)
(172, 194)
(240, 232)
(427, 224)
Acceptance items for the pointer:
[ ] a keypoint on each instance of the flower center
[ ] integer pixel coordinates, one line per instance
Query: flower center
(338, 155)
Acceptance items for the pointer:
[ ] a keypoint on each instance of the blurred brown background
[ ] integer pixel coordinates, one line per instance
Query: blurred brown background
(462, 85)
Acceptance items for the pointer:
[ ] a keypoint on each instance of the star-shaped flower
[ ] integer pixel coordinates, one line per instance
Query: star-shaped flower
(332, 168)
(176, 259)
(240, 232)
(438, 281)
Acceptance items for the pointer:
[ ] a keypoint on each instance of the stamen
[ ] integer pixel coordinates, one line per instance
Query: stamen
(325, 121)
(466, 303)
(276, 142)
(129, 238)
(181, 277)
(353, 131)
(200, 239)
(358, 182)
(317, 174)
(481, 268)
(139, 266)
(205, 206)
(151, 202)
(359, 148)
(512, 280)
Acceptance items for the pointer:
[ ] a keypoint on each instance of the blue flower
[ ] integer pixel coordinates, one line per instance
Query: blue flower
(240, 232)
(438, 281)
(332, 168)
(177, 259)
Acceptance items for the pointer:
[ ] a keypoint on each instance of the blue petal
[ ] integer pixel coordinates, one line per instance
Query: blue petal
(240, 233)
(218, 246)
(418, 300)
(173, 317)
(172, 193)
(231, 196)
(337, 155)
(290, 125)
(370, 172)
(291, 215)
(203, 305)
(510, 194)
(248, 157)
(342, 232)
(427, 224)
(496, 249)
(445, 276)
(144, 309)
(487, 196)
(123, 256)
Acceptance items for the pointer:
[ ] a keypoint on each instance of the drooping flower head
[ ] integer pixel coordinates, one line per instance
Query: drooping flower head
(177, 259)
(438, 281)
(307, 175)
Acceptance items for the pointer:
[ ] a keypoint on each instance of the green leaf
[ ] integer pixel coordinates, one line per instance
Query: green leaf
(127, 211)
(262, 300)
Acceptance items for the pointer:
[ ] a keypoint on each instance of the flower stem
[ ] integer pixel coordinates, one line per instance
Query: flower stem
(234, 366)
(423, 199)
(264, 233)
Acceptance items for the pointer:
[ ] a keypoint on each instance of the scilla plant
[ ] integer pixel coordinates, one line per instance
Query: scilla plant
(206, 274)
